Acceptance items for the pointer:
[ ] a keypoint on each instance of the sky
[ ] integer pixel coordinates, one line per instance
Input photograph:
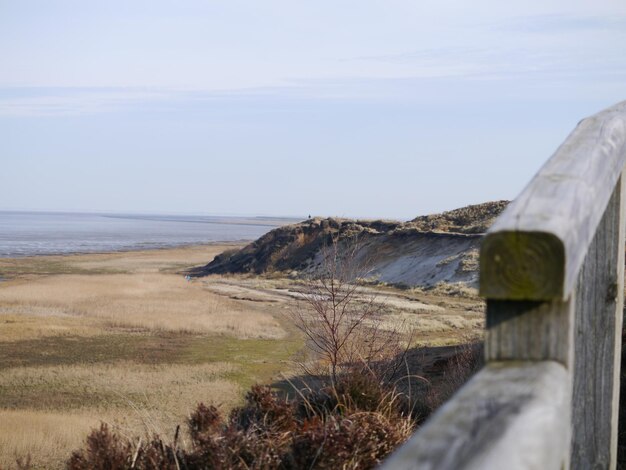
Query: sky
(387, 108)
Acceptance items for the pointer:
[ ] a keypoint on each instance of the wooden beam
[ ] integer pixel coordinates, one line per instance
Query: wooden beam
(530, 331)
(513, 415)
(598, 329)
(536, 248)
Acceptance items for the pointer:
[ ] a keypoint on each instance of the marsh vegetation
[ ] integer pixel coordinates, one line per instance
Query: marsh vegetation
(124, 339)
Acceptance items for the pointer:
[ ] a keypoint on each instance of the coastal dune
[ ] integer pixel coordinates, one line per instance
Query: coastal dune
(424, 252)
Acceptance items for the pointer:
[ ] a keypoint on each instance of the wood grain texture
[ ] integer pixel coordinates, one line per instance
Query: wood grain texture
(526, 330)
(511, 415)
(598, 327)
(536, 248)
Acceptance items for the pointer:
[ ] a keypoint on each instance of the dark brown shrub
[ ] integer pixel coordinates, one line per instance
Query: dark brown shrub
(360, 390)
(157, 456)
(104, 450)
(264, 411)
(354, 441)
(459, 369)
(204, 421)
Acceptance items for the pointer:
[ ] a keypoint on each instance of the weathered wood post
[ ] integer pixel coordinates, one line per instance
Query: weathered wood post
(597, 342)
(552, 270)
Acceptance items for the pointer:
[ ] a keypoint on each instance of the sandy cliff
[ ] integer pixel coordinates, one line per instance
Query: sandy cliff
(425, 251)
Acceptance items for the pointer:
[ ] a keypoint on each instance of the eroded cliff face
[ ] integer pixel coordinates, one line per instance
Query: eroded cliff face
(426, 251)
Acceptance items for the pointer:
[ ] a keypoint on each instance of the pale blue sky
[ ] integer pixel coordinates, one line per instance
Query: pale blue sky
(389, 108)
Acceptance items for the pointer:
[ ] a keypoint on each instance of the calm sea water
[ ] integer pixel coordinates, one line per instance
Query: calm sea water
(39, 233)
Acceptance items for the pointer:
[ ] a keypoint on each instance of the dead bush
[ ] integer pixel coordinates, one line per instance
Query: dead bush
(104, 450)
(458, 369)
(342, 321)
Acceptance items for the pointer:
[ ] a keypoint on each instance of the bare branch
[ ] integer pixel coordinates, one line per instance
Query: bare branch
(342, 322)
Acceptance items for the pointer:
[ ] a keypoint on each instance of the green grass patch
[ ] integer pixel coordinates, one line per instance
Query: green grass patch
(256, 360)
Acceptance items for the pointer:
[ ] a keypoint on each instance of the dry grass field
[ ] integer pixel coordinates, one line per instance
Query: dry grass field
(124, 338)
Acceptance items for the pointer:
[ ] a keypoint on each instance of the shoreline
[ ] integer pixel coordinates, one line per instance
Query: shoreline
(43, 234)
(176, 246)
(170, 258)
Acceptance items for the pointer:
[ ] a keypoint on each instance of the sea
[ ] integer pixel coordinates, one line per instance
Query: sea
(49, 233)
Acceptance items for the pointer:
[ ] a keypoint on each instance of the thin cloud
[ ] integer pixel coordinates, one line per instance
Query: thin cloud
(73, 102)
(510, 61)
(561, 23)
(429, 54)
(67, 101)
(429, 67)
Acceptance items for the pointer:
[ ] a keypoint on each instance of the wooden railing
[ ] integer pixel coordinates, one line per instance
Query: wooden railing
(552, 271)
